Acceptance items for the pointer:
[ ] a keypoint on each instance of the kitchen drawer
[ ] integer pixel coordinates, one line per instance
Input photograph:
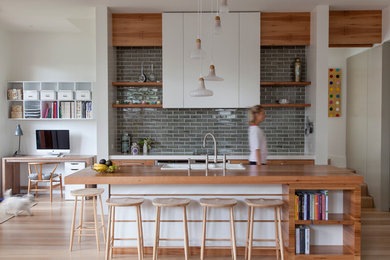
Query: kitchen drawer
(30, 95)
(278, 162)
(71, 167)
(65, 95)
(48, 95)
(83, 95)
(132, 162)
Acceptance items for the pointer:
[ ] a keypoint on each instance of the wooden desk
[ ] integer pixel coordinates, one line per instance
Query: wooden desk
(11, 167)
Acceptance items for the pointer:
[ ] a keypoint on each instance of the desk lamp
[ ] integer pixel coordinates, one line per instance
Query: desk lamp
(18, 132)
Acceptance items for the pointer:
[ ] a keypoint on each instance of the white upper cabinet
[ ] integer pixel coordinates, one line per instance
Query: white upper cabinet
(235, 53)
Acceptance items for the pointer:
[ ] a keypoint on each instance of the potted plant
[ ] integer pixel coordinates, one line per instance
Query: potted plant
(146, 144)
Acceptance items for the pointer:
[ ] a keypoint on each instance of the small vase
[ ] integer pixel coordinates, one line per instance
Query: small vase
(145, 149)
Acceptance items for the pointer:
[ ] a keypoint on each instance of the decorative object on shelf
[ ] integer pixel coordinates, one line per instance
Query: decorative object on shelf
(142, 77)
(134, 149)
(125, 143)
(146, 144)
(283, 101)
(223, 7)
(152, 77)
(217, 25)
(19, 133)
(14, 94)
(297, 69)
(201, 91)
(334, 92)
(212, 76)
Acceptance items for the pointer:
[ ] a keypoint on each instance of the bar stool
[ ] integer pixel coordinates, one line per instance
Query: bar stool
(276, 204)
(218, 203)
(124, 202)
(83, 193)
(170, 202)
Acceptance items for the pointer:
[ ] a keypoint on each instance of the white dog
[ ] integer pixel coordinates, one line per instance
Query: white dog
(15, 205)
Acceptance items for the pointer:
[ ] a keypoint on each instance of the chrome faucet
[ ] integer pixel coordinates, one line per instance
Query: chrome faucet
(215, 145)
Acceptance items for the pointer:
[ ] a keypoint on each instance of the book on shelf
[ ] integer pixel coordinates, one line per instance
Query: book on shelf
(312, 205)
(302, 240)
(83, 109)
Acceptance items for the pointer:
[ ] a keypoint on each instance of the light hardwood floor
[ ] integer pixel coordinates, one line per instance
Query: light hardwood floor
(45, 235)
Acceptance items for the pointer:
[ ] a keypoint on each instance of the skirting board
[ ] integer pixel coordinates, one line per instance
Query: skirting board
(209, 251)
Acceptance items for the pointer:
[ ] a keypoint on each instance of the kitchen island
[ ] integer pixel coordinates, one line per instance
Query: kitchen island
(338, 237)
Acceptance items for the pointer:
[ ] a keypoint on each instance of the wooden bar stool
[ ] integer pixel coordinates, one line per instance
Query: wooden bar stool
(170, 202)
(124, 202)
(276, 204)
(218, 203)
(83, 193)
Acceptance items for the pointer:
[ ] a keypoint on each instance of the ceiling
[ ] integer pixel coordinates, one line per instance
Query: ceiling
(78, 15)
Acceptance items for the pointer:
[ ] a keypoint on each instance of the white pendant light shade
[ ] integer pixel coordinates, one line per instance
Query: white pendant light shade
(217, 25)
(212, 76)
(198, 53)
(223, 7)
(201, 91)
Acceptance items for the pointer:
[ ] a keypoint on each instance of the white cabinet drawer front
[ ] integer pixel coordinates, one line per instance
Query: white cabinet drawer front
(83, 95)
(65, 95)
(71, 167)
(30, 95)
(48, 95)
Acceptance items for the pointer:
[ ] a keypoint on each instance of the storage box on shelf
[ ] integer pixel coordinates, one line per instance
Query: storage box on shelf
(349, 219)
(50, 100)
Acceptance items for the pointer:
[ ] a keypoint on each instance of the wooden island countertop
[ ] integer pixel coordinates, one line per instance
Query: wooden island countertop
(286, 174)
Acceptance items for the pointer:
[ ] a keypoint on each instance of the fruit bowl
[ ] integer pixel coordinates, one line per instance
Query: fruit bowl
(104, 166)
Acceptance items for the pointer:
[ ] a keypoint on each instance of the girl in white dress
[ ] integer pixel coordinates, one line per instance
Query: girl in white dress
(257, 140)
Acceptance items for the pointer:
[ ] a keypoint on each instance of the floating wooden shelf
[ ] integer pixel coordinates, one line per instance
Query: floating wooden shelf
(145, 84)
(327, 252)
(134, 105)
(285, 83)
(333, 219)
(286, 105)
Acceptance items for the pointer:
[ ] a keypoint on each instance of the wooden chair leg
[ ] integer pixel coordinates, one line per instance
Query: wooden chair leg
(233, 233)
(112, 232)
(108, 240)
(203, 241)
(102, 217)
(62, 195)
(29, 186)
(139, 247)
(277, 242)
(185, 228)
(280, 234)
(36, 189)
(81, 218)
(73, 224)
(156, 234)
(141, 231)
(250, 241)
(96, 223)
(247, 233)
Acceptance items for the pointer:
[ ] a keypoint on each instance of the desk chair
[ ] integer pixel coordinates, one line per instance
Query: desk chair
(35, 176)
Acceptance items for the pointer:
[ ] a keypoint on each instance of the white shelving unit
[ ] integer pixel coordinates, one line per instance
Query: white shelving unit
(50, 100)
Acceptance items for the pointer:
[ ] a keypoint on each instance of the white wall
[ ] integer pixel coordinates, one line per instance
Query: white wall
(317, 73)
(57, 57)
(386, 24)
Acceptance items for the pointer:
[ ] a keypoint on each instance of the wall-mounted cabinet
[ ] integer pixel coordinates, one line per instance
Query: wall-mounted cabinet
(136, 30)
(235, 53)
(285, 29)
(355, 28)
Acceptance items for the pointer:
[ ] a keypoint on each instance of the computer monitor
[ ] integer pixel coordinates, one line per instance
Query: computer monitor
(53, 141)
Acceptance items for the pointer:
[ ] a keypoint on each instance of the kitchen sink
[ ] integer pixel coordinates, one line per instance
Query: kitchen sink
(201, 166)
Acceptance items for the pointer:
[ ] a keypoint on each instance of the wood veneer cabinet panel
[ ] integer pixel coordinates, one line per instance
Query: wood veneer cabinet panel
(132, 162)
(355, 28)
(136, 30)
(285, 29)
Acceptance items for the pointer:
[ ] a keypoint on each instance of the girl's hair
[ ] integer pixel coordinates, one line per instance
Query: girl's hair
(252, 111)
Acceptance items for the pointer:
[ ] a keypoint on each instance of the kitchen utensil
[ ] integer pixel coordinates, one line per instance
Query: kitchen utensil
(142, 77)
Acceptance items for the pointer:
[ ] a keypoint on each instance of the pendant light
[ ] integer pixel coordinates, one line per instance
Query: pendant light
(201, 91)
(223, 7)
(212, 76)
(217, 25)
(198, 52)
